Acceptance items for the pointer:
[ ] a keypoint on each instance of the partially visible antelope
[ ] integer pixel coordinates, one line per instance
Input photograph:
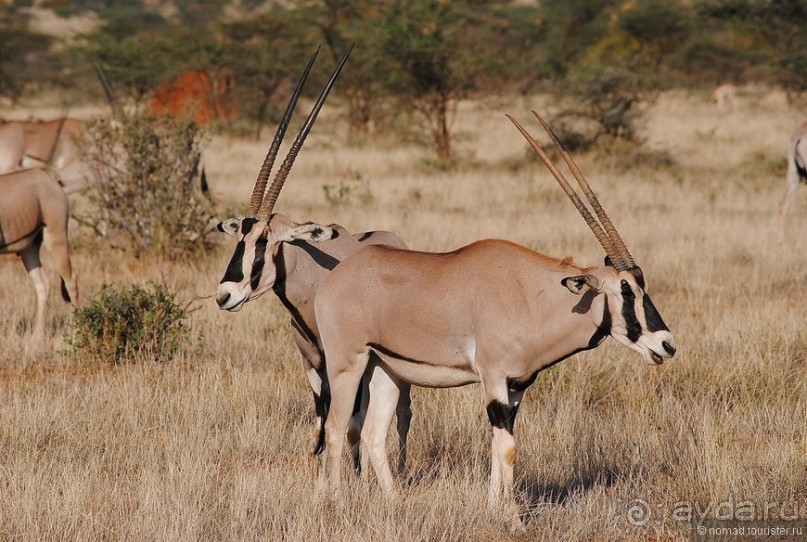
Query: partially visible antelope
(796, 170)
(34, 207)
(12, 147)
(725, 96)
(491, 312)
(48, 144)
(290, 258)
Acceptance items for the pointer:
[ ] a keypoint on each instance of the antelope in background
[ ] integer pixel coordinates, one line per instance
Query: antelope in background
(34, 207)
(276, 253)
(491, 312)
(725, 96)
(46, 144)
(796, 170)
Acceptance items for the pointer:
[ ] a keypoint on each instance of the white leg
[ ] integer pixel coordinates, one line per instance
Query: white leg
(502, 408)
(344, 376)
(30, 258)
(384, 392)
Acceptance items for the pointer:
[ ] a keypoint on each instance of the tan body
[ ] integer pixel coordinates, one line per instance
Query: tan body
(49, 144)
(492, 312)
(12, 147)
(796, 170)
(34, 207)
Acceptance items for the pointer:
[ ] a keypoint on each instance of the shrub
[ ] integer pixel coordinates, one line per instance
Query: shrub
(128, 325)
(145, 192)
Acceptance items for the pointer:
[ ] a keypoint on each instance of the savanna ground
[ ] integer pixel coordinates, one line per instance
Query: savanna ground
(216, 443)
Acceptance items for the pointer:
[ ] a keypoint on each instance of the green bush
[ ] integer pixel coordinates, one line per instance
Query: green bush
(145, 190)
(138, 323)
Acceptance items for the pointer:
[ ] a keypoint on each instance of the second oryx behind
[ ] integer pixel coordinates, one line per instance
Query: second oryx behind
(275, 253)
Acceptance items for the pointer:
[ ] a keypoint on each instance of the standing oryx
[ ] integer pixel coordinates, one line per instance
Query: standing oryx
(725, 96)
(48, 144)
(492, 312)
(33, 206)
(796, 169)
(275, 253)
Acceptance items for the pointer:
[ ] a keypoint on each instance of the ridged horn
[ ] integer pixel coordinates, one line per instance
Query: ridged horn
(269, 161)
(599, 233)
(274, 190)
(625, 259)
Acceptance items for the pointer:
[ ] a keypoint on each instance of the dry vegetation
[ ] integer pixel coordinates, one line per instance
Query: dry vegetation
(215, 444)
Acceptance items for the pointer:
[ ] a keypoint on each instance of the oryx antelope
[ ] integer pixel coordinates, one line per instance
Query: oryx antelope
(48, 144)
(796, 169)
(34, 207)
(724, 96)
(276, 253)
(491, 312)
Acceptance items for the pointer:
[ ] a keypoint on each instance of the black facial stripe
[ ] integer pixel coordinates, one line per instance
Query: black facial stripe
(502, 416)
(247, 224)
(366, 236)
(652, 316)
(632, 324)
(259, 261)
(235, 269)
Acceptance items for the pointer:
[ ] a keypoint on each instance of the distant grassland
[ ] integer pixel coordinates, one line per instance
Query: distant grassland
(216, 444)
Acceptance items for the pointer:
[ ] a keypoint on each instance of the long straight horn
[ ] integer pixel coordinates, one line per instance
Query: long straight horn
(599, 233)
(274, 190)
(269, 162)
(624, 259)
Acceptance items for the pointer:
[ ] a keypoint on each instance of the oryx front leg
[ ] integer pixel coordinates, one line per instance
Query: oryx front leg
(33, 265)
(502, 408)
(344, 376)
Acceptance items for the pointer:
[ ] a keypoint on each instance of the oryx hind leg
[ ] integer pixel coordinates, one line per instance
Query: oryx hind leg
(33, 265)
(384, 390)
(403, 414)
(344, 375)
(56, 243)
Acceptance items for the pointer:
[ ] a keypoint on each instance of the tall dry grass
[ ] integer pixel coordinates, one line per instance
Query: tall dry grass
(215, 445)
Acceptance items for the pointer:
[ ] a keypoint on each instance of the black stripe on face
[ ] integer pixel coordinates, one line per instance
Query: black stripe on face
(632, 324)
(247, 224)
(235, 269)
(652, 316)
(259, 261)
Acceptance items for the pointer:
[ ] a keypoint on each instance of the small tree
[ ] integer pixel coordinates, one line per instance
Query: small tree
(144, 190)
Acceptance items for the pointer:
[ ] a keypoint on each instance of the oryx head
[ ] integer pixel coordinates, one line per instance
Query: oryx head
(629, 316)
(252, 269)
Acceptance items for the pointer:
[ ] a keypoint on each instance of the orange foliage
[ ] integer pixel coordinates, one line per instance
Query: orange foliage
(196, 93)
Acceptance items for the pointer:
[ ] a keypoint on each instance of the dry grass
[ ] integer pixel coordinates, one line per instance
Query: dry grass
(215, 444)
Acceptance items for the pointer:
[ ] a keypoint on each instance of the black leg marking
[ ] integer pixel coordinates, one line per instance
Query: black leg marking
(501, 415)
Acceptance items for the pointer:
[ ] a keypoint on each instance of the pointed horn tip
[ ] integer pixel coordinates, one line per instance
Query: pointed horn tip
(549, 130)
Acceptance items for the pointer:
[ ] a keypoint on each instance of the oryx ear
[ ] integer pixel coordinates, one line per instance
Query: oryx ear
(579, 283)
(309, 232)
(231, 226)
